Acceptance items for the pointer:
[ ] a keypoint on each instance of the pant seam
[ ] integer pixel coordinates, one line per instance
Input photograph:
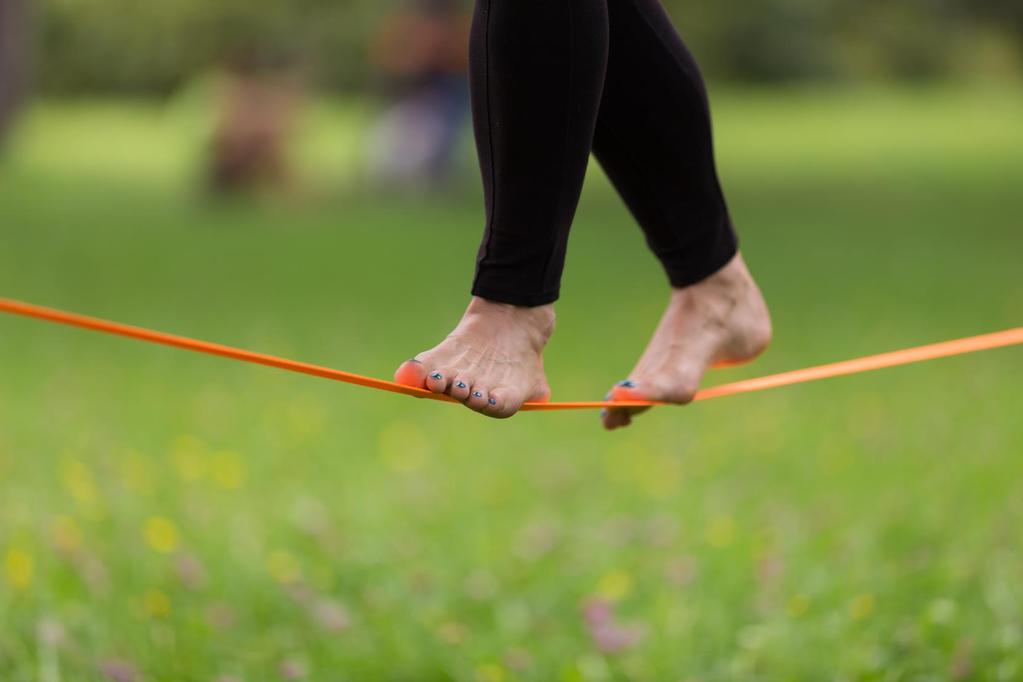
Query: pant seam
(490, 136)
(565, 151)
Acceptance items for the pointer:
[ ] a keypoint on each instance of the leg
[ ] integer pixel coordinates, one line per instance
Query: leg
(536, 74)
(653, 138)
(537, 71)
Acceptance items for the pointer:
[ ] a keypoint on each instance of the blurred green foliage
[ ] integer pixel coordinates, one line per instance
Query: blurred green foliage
(125, 46)
(121, 45)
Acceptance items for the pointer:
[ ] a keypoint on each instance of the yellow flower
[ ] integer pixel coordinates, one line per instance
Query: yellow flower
(66, 535)
(19, 568)
(161, 534)
(490, 672)
(452, 632)
(615, 585)
(862, 606)
(156, 604)
(721, 531)
(79, 482)
(283, 566)
(227, 470)
(661, 475)
(189, 458)
(798, 605)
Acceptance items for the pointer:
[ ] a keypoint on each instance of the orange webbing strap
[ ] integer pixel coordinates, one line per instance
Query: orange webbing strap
(872, 362)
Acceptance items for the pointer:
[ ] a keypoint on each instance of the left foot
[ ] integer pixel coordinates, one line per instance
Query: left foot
(721, 320)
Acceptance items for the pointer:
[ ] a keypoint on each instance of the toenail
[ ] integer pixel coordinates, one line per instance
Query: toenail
(460, 384)
(477, 394)
(628, 383)
(437, 375)
(492, 401)
(603, 414)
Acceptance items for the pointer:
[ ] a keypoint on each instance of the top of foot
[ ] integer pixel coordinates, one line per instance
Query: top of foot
(492, 361)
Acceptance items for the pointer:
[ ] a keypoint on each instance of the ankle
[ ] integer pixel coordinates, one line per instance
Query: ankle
(537, 321)
(728, 286)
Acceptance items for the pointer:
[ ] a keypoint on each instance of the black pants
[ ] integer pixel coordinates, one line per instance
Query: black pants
(551, 81)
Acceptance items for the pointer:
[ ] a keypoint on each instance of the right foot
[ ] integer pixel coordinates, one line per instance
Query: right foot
(492, 361)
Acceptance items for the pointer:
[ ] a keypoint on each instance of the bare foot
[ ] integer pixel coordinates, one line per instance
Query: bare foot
(492, 361)
(721, 320)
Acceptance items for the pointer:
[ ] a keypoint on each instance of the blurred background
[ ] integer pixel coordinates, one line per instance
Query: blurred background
(298, 178)
(250, 77)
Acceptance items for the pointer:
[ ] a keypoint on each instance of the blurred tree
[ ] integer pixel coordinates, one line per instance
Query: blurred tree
(1008, 12)
(153, 46)
(906, 40)
(14, 38)
(758, 40)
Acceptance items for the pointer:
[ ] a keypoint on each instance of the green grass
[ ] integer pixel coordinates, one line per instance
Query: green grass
(204, 520)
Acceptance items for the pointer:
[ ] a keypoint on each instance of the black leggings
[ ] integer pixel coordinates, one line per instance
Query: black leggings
(551, 81)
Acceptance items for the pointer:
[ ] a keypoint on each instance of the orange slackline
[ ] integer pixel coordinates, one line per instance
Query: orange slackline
(900, 357)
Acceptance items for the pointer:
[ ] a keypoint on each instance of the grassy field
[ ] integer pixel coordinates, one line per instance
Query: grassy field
(170, 517)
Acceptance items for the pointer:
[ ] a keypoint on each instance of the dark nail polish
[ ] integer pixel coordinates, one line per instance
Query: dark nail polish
(460, 384)
(628, 383)
(437, 376)
(477, 394)
(492, 401)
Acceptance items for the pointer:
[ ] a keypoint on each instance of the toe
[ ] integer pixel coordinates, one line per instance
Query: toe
(478, 398)
(625, 390)
(438, 380)
(459, 388)
(615, 419)
(503, 403)
(411, 373)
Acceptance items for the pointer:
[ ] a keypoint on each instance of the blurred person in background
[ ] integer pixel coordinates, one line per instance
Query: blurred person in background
(552, 80)
(258, 103)
(14, 36)
(420, 53)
